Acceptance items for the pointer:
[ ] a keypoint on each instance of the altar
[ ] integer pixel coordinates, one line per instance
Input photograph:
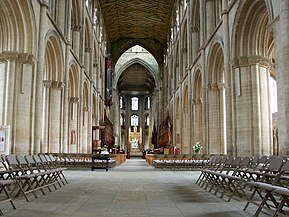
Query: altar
(135, 140)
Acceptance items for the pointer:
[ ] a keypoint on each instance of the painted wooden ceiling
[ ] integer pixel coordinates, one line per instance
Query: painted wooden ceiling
(137, 22)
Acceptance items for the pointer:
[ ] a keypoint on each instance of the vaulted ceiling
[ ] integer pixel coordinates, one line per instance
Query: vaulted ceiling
(137, 22)
(136, 80)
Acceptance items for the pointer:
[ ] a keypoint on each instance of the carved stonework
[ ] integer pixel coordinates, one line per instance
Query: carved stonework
(47, 83)
(76, 28)
(88, 49)
(85, 109)
(57, 85)
(258, 60)
(73, 99)
(197, 101)
(9, 56)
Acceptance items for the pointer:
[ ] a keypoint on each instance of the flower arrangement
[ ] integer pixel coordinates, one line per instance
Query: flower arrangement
(197, 147)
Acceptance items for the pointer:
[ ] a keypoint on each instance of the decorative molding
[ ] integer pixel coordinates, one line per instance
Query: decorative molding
(47, 83)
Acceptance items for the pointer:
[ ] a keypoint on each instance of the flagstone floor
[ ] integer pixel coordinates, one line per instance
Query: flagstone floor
(133, 189)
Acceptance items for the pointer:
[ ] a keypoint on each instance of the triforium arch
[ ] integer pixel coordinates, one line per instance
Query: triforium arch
(52, 99)
(253, 52)
(216, 119)
(197, 113)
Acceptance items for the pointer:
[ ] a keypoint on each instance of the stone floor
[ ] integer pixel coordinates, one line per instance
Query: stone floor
(133, 189)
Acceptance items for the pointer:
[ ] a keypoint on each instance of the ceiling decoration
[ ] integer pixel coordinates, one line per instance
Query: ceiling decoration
(131, 22)
(136, 79)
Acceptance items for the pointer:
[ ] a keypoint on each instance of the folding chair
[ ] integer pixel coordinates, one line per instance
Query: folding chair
(265, 184)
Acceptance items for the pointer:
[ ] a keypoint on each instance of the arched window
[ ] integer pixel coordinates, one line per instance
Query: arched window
(134, 103)
(147, 103)
(134, 120)
(121, 102)
(122, 120)
(147, 120)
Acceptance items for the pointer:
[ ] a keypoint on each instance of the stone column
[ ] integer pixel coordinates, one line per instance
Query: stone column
(228, 131)
(38, 103)
(282, 76)
(116, 123)
(9, 96)
(65, 101)
(11, 58)
(222, 114)
(45, 123)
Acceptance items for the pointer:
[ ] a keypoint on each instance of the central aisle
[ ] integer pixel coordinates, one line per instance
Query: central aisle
(133, 189)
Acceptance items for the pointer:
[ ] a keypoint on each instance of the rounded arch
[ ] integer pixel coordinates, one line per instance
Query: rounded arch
(73, 80)
(197, 84)
(53, 58)
(250, 35)
(215, 63)
(17, 32)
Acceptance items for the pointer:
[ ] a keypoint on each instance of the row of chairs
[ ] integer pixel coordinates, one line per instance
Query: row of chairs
(77, 161)
(264, 177)
(25, 175)
(179, 164)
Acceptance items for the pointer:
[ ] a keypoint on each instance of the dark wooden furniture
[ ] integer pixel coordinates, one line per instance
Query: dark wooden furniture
(165, 134)
(106, 136)
(99, 162)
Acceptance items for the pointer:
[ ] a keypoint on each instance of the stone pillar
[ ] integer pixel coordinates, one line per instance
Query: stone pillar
(45, 123)
(282, 76)
(9, 106)
(38, 103)
(116, 123)
(228, 131)
(222, 114)
(65, 102)
(9, 96)
(214, 119)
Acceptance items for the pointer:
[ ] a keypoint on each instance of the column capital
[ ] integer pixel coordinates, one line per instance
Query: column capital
(88, 49)
(9, 55)
(212, 87)
(197, 101)
(57, 84)
(47, 83)
(76, 28)
(73, 99)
